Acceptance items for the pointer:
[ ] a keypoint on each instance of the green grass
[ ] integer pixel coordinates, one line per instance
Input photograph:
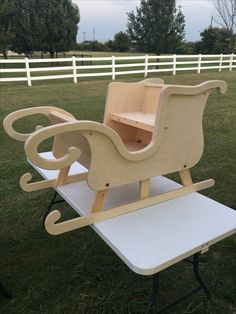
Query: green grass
(76, 272)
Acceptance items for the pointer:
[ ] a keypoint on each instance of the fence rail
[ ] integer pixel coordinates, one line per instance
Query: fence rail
(134, 65)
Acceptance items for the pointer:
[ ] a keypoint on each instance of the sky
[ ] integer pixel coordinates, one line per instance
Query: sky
(101, 19)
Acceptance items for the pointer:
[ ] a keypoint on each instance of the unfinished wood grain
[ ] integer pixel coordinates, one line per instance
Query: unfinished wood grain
(28, 186)
(132, 97)
(140, 120)
(58, 228)
(63, 174)
(22, 113)
(99, 201)
(117, 152)
(144, 188)
(177, 141)
(133, 146)
(185, 176)
(151, 98)
(62, 117)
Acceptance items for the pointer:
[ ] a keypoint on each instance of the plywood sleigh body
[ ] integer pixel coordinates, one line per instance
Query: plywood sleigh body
(149, 129)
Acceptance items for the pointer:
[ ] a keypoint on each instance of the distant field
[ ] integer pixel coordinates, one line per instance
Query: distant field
(76, 272)
(77, 52)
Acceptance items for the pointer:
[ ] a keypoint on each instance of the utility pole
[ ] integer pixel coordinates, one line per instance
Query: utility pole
(93, 34)
(84, 35)
(211, 25)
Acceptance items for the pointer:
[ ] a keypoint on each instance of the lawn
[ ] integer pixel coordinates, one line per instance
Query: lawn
(76, 272)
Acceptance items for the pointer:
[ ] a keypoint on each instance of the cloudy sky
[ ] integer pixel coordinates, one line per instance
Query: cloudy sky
(104, 18)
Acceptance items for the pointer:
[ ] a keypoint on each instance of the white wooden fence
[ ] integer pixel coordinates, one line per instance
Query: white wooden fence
(140, 65)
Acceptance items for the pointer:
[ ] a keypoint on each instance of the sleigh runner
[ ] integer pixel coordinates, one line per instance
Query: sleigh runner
(150, 129)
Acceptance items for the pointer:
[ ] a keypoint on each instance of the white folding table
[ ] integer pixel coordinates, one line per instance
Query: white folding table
(156, 237)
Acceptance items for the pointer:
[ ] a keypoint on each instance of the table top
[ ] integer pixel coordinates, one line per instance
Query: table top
(153, 238)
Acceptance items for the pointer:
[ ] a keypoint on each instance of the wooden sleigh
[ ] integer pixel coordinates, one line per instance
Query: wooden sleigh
(150, 129)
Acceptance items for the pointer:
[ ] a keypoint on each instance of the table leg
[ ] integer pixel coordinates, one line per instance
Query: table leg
(198, 277)
(202, 286)
(6, 294)
(52, 202)
(154, 297)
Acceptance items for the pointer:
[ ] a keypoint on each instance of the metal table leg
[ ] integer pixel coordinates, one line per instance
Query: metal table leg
(52, 202)
(198, 277)
(5, 293)
(202, 286)
(154, 297)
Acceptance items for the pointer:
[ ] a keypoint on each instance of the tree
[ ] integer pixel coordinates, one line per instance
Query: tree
(158, 26)
(121, 42)
(45, 25)
(109, 45)
(24, 27)
(226, 14)
(188, 48)
(6, 31)
(90, 45)
(216, 40)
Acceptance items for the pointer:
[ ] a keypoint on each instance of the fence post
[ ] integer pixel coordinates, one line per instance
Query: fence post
(113, 67)
(28, 71)
(199, 63)
(74, 69)
(221, 59)
(174, 64)
(146, 66)
(231, 62)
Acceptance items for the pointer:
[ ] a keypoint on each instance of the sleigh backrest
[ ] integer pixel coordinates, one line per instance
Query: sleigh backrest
(178, 129)
(132, 99)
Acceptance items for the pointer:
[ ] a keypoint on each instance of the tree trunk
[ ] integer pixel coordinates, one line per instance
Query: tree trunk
(52, 57)
(52, 54)
(4, 52)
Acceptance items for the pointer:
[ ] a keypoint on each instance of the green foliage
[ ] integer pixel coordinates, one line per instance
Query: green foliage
(158, 26)
(6, 31)
(121, 42)
(109, 45)
(216, 40)
(45, 25)
(90, 45)
(188, 48)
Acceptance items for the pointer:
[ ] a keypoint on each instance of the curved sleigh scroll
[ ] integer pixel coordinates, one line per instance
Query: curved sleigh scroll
(28, 186)
(54, 115)
(19, 114)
